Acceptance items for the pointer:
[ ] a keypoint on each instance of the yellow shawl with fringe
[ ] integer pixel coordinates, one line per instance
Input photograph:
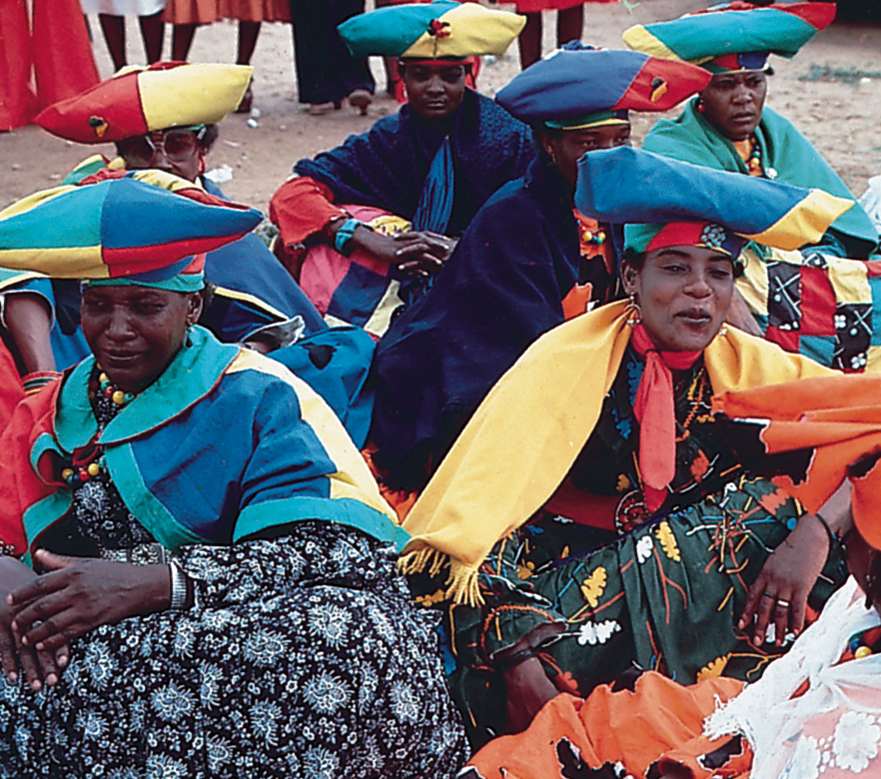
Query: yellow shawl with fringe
(525, 436)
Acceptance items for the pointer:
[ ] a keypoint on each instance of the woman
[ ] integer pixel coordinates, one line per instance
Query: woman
(112, 13)
(592, 516)
(263, 307)
(256, 627)
(432, 165)
(527, 261)
(812, 714)
(816, 302)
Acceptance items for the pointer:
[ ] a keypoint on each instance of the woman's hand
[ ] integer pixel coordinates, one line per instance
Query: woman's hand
(780, 594)
(527, 686)
(79, 594)
(36, 666)
(423, 253)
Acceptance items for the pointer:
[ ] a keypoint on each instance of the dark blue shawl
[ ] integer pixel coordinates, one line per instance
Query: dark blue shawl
(500, 290)
(386, 167)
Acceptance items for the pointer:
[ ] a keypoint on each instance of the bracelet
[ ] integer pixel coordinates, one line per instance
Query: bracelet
(178, 587)
(514, 659)
(344, 236)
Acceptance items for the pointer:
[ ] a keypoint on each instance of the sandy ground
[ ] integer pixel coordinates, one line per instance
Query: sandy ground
(841, 116)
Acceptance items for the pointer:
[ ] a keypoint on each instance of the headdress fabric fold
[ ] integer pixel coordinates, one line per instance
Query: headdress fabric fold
(737, 36)
(578, 87)
(442, 29)
(122, 230)
(652, 195)
(139, 100)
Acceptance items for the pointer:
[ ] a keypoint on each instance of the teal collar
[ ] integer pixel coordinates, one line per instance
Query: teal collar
(192, 374)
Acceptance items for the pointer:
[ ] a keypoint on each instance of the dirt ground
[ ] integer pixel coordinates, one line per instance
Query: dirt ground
(840, 112)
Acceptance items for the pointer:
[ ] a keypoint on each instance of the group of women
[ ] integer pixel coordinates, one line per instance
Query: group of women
(627, 506)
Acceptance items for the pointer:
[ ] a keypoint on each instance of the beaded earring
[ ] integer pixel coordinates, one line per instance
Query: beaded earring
(634, 310)
(189, 341)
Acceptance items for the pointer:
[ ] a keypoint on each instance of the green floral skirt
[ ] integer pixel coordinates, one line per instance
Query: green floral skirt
(664, 597)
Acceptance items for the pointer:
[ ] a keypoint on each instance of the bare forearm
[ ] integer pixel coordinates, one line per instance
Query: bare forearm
(29, 322)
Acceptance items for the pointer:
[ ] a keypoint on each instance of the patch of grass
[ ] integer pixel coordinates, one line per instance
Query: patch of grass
(850, 75)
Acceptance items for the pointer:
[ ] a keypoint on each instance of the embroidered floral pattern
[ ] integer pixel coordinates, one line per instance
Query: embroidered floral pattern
(856, 741)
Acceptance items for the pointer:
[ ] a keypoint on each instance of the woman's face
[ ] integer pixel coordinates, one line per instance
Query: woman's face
(178, 150)
(434, 90)
(135, 332)
(565, 148)
(684, 293)
(732, 103)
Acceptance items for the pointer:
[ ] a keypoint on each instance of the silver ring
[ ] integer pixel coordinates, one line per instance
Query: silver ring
(769, 595)
(785, 603)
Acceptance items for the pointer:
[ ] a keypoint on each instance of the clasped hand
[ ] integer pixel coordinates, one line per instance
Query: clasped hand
(41, 615)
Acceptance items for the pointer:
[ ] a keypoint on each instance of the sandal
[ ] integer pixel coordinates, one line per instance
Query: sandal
(244, 106)
(360, 99)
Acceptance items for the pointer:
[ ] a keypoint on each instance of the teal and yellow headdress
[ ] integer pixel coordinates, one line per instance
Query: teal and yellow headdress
(664, 202)
(122, 230)
(139, 100)
(442, 29)
(733, 37)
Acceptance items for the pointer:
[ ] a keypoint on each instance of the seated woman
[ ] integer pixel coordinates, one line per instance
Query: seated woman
(528, 260)
(432, 165)
(205, 582)
(251, 297)
(817, 706)
(592, 515)
(816, 302)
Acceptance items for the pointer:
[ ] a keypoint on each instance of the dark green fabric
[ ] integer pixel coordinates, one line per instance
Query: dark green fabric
(663, 596)
(690, 137)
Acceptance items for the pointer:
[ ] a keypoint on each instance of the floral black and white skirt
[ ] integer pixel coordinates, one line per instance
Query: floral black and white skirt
(302, 657)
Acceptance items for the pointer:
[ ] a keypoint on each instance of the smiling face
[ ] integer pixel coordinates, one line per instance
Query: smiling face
(565, 147)
(434, 89)
(733, 102)
(684, 293)
(135, 332)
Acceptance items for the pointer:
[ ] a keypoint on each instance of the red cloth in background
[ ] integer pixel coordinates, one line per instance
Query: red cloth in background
(57, 49)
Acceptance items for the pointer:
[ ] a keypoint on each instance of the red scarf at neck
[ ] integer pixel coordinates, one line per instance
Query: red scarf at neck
(654, 411)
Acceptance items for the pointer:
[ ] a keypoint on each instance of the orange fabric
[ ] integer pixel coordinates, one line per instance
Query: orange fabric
(302, 207)
(653, 408)
(634, 728)
(841, 420)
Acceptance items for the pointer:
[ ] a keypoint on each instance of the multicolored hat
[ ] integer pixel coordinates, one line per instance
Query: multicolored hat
(139, 100)
(578, 87)
(665, 202)
(734, 37)
(442, 29)
(122, 230)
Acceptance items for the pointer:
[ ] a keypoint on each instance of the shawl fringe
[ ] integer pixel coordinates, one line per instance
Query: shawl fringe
(462, 587)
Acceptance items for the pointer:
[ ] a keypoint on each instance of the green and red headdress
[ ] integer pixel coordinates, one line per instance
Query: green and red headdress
(122, 230)
(733, 37)
(140, 100)
(441, 30)
(664, 202)
(579, 87)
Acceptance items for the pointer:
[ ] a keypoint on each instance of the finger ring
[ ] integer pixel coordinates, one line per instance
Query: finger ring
(785, 603)
(769, 595)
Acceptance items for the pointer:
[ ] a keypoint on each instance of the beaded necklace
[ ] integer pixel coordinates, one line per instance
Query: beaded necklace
(863, 644)
(87, 462)
(754, 162)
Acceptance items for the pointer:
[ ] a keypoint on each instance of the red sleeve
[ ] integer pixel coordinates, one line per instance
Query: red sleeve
(300, 208)
(23, 420)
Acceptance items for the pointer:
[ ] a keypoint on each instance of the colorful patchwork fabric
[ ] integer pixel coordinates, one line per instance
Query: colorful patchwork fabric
(632, 186)
(578, 86)
(439, 30)
(819, 305)
(736, 28)
(787, 156)
(139, 100)
(288, 457)
(117, 229)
